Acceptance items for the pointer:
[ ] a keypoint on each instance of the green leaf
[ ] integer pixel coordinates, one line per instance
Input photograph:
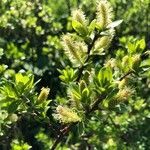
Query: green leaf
(67, 75)
(105, 75)
(80, 128)
(139, 104)
(114, 24)
(82, 85)
(21, 79)
(29, 84)
(140, 45)
(131, 48)
(86, 92)
(79, 28)
(103, 80)
(76, 94)
(92, 26)
(24, 82)
(13, 106)
(145, 63)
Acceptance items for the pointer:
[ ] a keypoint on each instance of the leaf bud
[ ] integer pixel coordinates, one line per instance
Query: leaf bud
(43, 94)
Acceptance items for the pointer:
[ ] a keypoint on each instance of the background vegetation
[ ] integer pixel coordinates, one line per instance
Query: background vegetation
(30, 43)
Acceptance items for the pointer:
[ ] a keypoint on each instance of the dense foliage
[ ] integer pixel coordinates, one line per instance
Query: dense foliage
(74, 74)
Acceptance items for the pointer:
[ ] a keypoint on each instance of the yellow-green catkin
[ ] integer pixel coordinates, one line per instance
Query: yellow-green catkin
(124, 94)
(74, 50)
(122, 83)
(104, 13)
(104, 41)
(68, 43)
(125, 60)
(66, 115)
(79, 16)
(43, 94)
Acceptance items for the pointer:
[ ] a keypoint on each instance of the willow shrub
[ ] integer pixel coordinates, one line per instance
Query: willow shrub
(101, 92)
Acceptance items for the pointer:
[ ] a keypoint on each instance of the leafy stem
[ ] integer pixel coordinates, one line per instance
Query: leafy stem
(64, 131)
(94, 107)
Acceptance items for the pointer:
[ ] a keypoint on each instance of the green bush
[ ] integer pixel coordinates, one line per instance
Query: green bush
(94, 78)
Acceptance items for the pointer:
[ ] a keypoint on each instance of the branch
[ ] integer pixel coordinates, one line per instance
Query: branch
(63, 132)
(124, 76)
(67, 128)
(88, 57)
(80, 73)
(95, 104)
